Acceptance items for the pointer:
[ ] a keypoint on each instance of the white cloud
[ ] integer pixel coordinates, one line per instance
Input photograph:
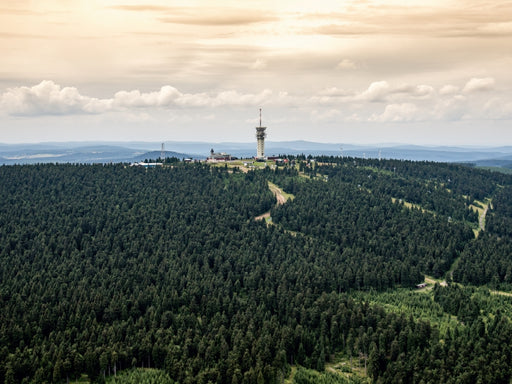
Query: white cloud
(497, 108)
(397, 113)
(479, 85)
(334, 91)
(135, 98)
(235, 98)
(422, 91)
(346, 64)
(377, 91)
(448, 90)
(48, 98)
(497, 28)
(325, 116)
(258, 64)
(382, 91)
(332, 95)
(450, 108)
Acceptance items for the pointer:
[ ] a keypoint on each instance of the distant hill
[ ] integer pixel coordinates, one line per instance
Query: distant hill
(158, 154)
(51, 153)
(107, 152)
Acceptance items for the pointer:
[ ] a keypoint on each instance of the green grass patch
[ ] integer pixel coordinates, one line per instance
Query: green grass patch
(279, 191)
(453, 267)
(289, 380)
(81, 380)
(417, 303)
(309, 376)
(477, 208)
(379, 170)
(140, 375)
(408, 205)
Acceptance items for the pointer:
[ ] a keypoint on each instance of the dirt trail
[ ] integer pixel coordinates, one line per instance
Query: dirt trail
(264, 216)
(280, 197)
(481, 219)
(278, 192)
(432, 281)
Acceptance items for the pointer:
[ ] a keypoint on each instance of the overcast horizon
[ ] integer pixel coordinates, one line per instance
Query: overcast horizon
(357, 72)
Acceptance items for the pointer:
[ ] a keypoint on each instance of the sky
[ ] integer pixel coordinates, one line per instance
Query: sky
(342, 71)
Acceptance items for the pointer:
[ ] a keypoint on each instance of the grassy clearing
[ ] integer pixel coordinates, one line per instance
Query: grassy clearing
(454, 265)
(350, 369)
(476, 208)
(289, 380)
(83, 379)
(140, 375)
(418, 303)
(331, 375)
(432, 281)
(282, 197)
(407, 204)
(481, 207)
(386, 172)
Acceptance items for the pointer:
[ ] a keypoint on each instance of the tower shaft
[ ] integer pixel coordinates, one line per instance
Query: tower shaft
(260, 137)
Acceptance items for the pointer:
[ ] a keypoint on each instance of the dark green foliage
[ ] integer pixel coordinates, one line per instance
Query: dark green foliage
(488, 260)
(500, 220)
(461, 180)
(105, 268)
(378, 243)
(457, 301)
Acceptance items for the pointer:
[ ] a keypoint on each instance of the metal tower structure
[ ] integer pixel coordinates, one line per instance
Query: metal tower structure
(162, 153)
(260, 137)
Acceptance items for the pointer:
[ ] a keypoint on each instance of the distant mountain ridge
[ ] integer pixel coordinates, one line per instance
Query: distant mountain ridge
(107, 152)
(49, 153)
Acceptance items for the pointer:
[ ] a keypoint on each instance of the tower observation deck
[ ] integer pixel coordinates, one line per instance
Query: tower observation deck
(260, 137)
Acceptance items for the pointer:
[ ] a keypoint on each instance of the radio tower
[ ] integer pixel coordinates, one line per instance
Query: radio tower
(162, 153)
(260, 137)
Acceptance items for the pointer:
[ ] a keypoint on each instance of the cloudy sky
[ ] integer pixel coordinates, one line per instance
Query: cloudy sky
(430, 72)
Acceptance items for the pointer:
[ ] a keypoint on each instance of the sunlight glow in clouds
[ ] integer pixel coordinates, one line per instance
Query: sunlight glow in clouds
(324, 70)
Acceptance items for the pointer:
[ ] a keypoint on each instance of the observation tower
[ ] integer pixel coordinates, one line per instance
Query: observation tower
(260, 137)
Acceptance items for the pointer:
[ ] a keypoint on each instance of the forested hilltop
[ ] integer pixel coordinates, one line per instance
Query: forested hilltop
(104, 268)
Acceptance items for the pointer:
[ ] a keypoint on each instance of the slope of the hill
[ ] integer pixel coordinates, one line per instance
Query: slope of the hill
(103, 268)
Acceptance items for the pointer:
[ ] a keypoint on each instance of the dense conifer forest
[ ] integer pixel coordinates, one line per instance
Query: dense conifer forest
(108, 268)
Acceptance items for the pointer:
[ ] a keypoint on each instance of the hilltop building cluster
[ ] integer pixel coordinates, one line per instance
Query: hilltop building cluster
(216, 157)
(260, 148)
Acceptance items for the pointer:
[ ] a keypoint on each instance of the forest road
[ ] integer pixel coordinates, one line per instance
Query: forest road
(482, 218)
(278, 193)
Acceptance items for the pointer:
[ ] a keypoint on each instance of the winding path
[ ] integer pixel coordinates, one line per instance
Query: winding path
(481, 218)
(280, 197)
(278, 192)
